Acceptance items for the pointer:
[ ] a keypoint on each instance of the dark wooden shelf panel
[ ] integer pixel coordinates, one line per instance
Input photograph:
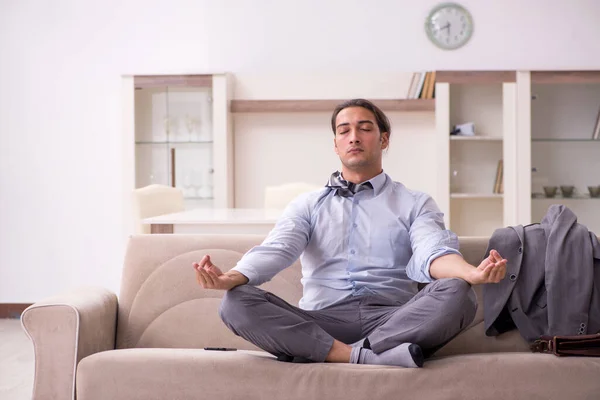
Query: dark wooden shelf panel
(154, 81)
(255, 106)
(475, 76)
(565, 76)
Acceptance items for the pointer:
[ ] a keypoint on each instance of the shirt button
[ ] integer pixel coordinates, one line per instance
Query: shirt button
(513, 277)
(352, 251)
(354, 225)
(520, 250)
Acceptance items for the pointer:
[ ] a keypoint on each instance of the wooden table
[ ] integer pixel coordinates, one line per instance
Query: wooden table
(220, 220)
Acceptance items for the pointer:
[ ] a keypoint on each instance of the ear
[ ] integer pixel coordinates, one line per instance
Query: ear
(335, 148)
(385, 140)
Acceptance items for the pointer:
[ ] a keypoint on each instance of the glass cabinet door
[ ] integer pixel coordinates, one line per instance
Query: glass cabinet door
(565, 147)
(174, 140)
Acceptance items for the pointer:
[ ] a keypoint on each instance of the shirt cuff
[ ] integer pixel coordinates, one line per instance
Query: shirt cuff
(249, 272)
(437, 254)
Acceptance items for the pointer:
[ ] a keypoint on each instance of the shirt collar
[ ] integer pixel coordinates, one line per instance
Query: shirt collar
(377, 181)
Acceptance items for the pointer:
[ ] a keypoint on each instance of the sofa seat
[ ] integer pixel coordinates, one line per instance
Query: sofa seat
(186, 374)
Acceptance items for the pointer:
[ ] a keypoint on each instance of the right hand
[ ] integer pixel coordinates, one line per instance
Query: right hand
(209, 276)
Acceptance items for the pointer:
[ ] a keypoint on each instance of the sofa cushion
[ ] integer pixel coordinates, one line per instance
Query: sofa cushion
(162, 306)
(197, 374)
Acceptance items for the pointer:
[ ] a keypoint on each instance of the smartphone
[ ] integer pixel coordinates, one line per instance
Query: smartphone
(220, 348)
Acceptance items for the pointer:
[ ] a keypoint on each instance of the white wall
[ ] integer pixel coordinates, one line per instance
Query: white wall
(274, 148)
(60, 122)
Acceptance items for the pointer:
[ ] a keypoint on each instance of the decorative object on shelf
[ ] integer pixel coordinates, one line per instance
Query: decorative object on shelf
(449, 26)
(550, 191)
(567, 190)
(188, 185)
(466, 129)
(205, 189)
(190, 125)
(594, 191)
(168, 126)
(454, 181)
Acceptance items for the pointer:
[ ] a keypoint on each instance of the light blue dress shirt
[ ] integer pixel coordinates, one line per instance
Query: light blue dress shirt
(379, 241)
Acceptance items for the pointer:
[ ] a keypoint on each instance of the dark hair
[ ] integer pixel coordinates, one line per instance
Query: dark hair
(382, 120)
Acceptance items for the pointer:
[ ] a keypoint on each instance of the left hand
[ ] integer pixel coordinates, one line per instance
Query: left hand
(491, 270)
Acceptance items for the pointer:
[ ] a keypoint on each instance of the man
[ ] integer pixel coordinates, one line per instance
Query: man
(365, 242)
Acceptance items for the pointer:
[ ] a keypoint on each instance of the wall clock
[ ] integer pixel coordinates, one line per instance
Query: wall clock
(449, 26)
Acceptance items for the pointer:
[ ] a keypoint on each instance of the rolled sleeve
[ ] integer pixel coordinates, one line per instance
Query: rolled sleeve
(429, 240)
(281, 248)
(249, 272)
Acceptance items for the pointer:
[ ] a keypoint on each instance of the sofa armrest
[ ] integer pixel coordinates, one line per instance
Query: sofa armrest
(64, 329)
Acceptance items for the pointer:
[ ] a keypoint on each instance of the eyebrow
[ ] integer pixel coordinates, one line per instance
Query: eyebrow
(364, 121)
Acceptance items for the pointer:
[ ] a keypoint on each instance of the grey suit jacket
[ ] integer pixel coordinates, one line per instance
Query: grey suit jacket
(552, 285)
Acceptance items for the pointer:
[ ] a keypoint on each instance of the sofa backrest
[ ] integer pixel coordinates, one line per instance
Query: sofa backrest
(162, 306)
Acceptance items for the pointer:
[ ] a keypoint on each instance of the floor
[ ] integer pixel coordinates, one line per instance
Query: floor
(16, 361)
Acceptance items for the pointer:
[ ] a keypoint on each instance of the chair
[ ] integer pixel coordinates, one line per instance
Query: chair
(279, 196)
(153, 200)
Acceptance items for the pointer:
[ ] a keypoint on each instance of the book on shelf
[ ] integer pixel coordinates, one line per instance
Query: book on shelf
(596, 131)
(422, 86)
(499, 182)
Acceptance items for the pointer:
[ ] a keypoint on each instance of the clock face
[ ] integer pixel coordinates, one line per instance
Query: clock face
(449, 26)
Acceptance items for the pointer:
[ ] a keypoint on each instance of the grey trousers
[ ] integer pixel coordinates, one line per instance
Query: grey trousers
(430, 319)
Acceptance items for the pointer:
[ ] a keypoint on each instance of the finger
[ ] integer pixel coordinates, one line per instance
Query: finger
(496, 275)
(214, 269)
(485, 274)
(485, 262)
(209, 280)
(201, 278)
(499, 271)
(496, 256)
(503, 269)
(204, 260)
(214, 277)
(207, 262)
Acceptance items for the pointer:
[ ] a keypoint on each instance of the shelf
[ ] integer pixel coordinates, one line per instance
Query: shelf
(198, 198)
(157, 81)
(473, 77)
(249, 106)
(476, 138)
(565, 76)
(174, 143)
(541, 196)
(476, 196)
(563, 140)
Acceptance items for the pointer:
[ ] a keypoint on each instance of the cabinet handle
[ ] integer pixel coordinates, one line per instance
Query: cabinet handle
(173, 183)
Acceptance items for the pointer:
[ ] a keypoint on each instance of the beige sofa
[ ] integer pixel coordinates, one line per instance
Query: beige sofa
(149, 343)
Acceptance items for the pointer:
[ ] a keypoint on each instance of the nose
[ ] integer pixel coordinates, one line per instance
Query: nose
(353, 136)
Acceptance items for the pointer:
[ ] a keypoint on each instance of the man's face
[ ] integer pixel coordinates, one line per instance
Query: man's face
(358, 141)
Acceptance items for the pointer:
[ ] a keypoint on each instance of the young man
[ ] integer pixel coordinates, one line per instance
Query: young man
(365, 242)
